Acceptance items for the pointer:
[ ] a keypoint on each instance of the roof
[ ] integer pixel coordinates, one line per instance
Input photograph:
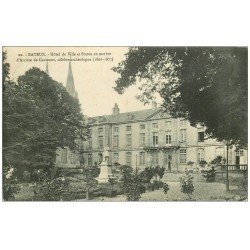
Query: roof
(140, 115)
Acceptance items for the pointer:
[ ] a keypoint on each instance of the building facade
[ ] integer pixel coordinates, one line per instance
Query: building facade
(152, 137)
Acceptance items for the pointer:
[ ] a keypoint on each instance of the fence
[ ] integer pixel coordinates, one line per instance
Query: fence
(235, 167)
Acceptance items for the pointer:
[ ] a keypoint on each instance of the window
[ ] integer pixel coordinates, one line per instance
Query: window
(241, 152)
(200, 136)
(219, 151)
(183, 135)
(183, 123)
(128, 128)
(200, 155)
(128, 158)
(155, 160)
(155, 125)
(89, 160)
(183, 156)
(142, 158)
(155, 139)
(168, 124)
(116, 157)
(168, 137)
(128, 140)
(116, 129)
(100, 130)
(142, 126)
(142, 139)
(100, 141)
(64, 155)
(116, 141)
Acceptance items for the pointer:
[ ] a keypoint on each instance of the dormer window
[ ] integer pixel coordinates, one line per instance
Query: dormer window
(155, 125)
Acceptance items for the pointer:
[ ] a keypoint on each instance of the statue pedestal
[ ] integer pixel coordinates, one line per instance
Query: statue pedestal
(105, 173)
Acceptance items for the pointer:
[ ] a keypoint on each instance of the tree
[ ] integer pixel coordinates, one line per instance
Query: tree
(205, 85)
(10, 186)
(89, 180)
(131, 183)
(39, 116)
(187, 184)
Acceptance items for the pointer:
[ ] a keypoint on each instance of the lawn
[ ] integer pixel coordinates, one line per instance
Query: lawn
(204, 191)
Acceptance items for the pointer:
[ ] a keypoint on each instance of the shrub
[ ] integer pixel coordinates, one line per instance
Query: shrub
(150, 187)
(147, 174)
(187, 185)
(209, 175)
(52, 189)
(203, 163)
(160, 171)
(166, 188)
(157, 184)
(9, 183)
(131, 183)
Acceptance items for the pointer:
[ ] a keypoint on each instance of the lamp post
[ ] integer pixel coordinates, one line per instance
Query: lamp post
(136, 162)
(227, 177)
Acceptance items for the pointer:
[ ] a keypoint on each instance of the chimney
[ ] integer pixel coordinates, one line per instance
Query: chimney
(154, 105)
(115, 110)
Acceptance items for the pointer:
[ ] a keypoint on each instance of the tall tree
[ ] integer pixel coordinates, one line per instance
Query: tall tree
(39, 116)
(206, 85)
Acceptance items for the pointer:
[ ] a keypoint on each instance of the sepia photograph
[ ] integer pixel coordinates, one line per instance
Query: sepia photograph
(118, 124)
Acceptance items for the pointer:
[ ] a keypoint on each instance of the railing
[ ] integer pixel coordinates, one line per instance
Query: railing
(235, 167)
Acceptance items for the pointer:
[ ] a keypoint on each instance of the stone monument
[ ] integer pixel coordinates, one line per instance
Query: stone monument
(105, 172)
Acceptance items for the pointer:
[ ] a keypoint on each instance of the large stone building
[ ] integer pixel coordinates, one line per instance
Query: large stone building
(152, 137)
(145, 138)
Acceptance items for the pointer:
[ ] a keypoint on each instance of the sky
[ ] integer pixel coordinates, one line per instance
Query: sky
(94, 79)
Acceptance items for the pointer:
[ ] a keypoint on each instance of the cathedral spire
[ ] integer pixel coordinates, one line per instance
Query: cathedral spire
(47, 68)
(70, 86)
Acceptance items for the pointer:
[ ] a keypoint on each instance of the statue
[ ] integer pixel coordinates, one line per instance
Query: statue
(105, 168)
(106, 155)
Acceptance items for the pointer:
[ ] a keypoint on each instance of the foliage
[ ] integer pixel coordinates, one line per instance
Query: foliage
(9, 182)
(89, 175)
(39, 116)
(157, 184)
(190, 163)
(52, 189)
(205, 85)
(131, 183)
(202, 163)
(112, 182)
(187, 184)
(149, 172)
(159, 171)
(218, 160)
(166, 188)
(6, 68)
(209, 175)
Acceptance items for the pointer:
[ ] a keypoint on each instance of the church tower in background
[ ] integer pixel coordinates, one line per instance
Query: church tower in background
(70, 85)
